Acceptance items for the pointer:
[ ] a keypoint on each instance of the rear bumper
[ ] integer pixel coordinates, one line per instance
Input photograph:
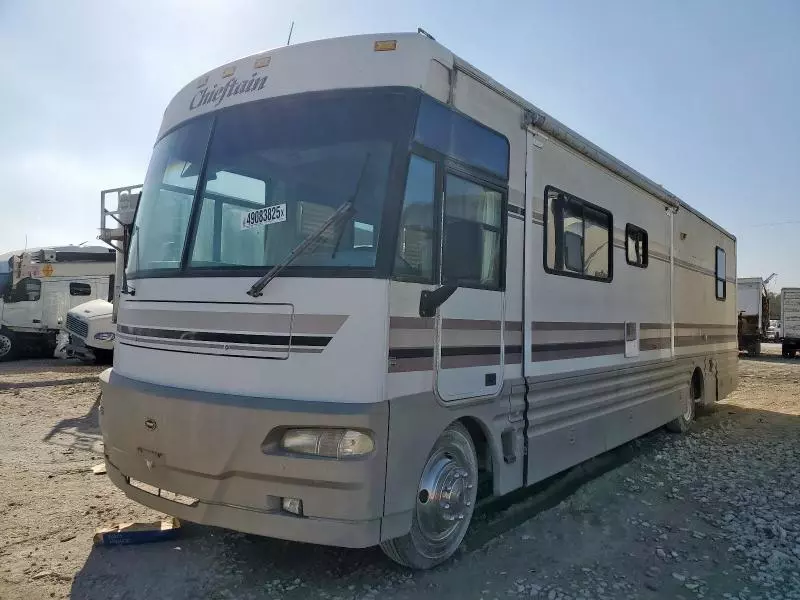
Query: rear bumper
(222, 451)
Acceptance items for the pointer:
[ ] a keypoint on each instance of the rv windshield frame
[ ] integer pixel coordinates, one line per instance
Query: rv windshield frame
(388, 118)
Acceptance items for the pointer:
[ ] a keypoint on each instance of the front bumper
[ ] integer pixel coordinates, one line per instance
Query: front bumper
(222, 451)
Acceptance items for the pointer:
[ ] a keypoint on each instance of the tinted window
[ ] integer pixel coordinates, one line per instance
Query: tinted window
(415, 241)
(162, 217)
(578, 237)
(636, 252)
(26, 290)
(277, 170)
(721, 283)
(450, 133)
(471, 251)
(80, 289)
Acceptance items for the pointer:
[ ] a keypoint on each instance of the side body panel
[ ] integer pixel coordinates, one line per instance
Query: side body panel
(790, 313)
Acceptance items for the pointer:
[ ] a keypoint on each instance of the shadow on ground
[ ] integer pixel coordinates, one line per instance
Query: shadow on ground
(207, 562)
(82, 432)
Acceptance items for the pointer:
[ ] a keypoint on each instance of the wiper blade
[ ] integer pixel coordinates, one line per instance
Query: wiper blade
(345, 209)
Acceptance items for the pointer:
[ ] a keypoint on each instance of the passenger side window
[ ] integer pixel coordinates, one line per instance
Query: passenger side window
(636, 246)
(415, 243)
(26, 290)
(578, 237)
(80, 289)
(471, 249)
(719, 270)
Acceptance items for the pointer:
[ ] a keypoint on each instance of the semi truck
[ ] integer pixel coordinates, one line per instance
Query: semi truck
(752, 305)
(39, 286)
(790, 321)
(91, 326)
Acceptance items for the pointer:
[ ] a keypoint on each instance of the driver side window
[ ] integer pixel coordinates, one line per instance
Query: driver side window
(415, 242)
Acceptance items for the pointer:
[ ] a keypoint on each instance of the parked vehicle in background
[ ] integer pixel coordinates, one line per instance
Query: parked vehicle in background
(39, 286)
(790, 321)
(774, 331)
(335, 238)
(752, 306)
(92, 326)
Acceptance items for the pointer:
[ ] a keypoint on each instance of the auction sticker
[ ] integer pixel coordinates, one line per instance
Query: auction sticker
(264, 216)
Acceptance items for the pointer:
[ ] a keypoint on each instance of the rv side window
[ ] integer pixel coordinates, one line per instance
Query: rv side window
(472, 234)
(636, 246)
(26, 290)
(415, 240)
(721, 290)
(577, 239)
(80, 289)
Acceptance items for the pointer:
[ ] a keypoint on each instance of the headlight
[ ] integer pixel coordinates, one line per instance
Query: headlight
(104, 336)
(331, 443)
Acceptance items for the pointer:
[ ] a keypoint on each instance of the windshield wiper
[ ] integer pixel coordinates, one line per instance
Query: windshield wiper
(345, 209)
(353, 202)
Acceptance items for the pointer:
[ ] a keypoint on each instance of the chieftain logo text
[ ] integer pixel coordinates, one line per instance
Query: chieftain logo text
(215, 95)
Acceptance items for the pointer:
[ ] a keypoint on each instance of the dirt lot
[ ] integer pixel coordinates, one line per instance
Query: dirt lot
(714, 514)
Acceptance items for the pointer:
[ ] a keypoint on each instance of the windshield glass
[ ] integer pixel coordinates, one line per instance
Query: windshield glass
(275, 171)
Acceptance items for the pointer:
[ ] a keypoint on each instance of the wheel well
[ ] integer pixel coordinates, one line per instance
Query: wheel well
(697, 384)
(479, 439)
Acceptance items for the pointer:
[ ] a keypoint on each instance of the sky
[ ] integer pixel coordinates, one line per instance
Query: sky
(703, 97)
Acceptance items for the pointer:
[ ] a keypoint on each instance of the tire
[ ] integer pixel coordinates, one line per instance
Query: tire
(9, 346)
(683, 423)
(445, 502)
(103, 357)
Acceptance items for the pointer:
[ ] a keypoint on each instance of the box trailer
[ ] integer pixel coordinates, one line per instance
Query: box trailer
(790, 321)
(752, 305)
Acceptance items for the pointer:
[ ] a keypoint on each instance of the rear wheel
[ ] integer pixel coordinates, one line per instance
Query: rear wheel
(8, 346)
(683, 423)
(444, 505)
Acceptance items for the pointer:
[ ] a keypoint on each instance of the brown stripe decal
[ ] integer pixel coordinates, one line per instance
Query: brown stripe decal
(681, 341)
(660, 343)
(574, 326)
(546, 352)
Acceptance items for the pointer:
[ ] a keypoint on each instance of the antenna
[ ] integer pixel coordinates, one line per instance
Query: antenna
(291, 29)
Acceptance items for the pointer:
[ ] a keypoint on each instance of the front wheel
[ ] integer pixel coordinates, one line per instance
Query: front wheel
(444, 504)
(8, 346)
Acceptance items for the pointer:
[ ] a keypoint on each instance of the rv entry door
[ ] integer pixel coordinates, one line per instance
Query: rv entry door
(469, 344)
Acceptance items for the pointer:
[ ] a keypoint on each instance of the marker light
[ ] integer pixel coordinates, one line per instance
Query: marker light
(293, 505)
(330, 443)
(385, 45)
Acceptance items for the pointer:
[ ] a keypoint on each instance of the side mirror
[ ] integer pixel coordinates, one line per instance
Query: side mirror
(430, 300)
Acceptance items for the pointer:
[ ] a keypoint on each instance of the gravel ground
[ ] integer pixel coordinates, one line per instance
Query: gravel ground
(713, 514)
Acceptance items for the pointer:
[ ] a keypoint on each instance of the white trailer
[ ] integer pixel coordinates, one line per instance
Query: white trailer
(366, 281)
(91, 326)
(752, 305)
(790, 321)
(39, 286)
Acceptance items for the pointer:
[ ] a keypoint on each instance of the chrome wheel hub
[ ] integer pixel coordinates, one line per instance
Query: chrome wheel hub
(446, 497)
(5, 345)
(689, 409)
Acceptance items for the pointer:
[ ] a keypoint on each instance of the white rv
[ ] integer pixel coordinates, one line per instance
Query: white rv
(91, 326)
(366, 280)
(38, 287)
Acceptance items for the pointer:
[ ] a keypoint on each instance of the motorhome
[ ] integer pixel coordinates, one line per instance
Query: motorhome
(369, 286)
(91, 326)
(39, 286)
(752, 305)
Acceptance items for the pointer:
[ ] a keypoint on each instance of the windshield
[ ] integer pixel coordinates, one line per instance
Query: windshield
(275, 171)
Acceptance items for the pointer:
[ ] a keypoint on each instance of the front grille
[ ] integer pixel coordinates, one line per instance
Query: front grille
(77, 326)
